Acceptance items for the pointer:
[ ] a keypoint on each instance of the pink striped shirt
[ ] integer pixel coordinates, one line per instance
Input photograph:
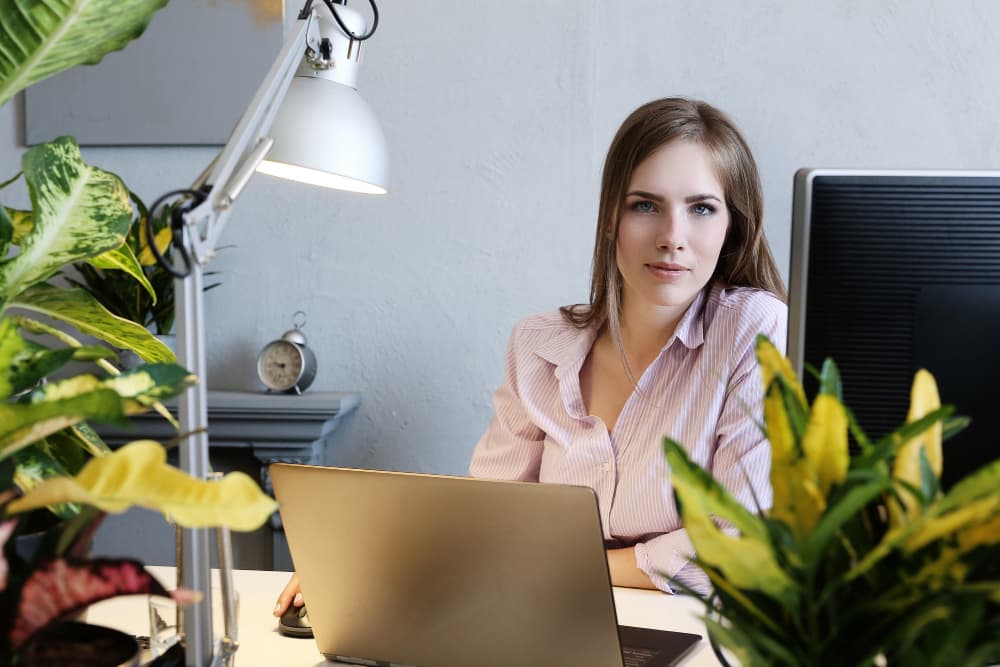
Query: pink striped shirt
(703, 390)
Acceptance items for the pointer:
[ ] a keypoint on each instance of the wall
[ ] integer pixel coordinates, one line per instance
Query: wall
(497, 117)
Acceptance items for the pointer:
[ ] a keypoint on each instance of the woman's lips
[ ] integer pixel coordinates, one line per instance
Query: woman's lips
(664, 271)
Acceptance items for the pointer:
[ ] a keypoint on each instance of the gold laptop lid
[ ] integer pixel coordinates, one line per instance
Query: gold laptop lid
(438, 571)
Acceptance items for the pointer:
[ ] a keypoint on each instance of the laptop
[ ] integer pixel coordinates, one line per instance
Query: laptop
(436, 571)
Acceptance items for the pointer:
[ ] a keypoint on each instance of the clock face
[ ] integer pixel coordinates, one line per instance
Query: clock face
(280, 365)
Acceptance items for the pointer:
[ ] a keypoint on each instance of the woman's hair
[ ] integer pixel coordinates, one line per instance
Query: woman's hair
(745, 260)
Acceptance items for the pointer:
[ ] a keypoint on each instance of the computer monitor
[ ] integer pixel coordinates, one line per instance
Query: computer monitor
(893, 271)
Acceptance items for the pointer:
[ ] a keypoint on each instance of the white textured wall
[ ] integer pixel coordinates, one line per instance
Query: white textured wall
(497, 117)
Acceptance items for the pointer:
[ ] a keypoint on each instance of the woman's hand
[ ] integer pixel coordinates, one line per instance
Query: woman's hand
(624, 571)
(291, 595)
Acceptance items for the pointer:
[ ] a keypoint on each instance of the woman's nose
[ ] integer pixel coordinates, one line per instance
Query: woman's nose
(669, 234)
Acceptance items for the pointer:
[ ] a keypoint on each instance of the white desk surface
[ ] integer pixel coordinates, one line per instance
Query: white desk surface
(260, 643)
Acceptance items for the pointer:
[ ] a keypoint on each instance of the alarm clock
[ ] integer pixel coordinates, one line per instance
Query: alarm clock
(287, 364)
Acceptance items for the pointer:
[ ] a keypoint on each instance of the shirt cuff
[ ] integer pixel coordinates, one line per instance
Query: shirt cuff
(663, 557)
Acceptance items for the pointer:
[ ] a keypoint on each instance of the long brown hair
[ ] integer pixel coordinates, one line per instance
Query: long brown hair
(745, 260)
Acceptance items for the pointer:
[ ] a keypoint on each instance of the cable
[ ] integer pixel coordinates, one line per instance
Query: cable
(304, 12)
(176, 228)
(331, 4)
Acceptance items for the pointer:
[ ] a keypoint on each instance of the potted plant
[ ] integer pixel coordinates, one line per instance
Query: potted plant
(144, 294)
(50, 459)
(862, 559)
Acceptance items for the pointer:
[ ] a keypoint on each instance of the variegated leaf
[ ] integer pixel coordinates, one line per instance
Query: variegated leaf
(61, 588)
(22, 362)
(21, 220)
(80, 309)
(78, 211)
(24, 423)
(39, 39)
(140, 388)
(138, 474)
(123, 259)
(37, 463)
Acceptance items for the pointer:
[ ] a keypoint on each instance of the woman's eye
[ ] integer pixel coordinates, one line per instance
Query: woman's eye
(703, 209)
(643, 206)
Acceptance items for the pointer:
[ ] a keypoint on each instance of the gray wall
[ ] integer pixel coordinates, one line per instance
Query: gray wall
(497, 117)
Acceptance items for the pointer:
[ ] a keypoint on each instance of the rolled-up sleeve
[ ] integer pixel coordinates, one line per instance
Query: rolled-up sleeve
(511, 448)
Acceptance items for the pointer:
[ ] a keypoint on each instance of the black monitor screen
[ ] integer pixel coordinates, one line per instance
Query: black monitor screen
(896, 271)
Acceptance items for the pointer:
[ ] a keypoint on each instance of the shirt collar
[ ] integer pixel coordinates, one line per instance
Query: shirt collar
(567, 349)
(690, 330)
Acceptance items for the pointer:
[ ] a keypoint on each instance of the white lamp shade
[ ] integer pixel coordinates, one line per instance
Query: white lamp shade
(325, 134)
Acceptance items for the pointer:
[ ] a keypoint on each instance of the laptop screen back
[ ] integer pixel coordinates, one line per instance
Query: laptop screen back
(441, 571)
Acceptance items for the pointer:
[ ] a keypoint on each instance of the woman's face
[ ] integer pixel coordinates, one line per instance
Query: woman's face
(673, 224)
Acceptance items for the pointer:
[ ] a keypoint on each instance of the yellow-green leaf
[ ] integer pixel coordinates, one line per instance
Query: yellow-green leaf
(825, 443)
(979, 534)
(21, 220)
(78, 308)
(974, 513)
(123, 259)
(138, 474)
(924, 399)
(24, 423)
(797, 506)
(773, 364)
(746, 560)
(162, 239)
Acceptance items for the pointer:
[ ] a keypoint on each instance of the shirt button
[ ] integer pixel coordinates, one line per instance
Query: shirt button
(606, 467)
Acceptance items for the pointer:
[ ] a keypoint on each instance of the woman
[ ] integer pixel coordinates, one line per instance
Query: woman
(683, 281)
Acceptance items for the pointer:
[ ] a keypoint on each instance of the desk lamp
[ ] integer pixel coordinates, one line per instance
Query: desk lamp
(324, 134)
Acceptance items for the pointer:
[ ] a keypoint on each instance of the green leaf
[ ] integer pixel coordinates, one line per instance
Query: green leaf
(87, 439)
(888, 445)
(37, 463)
(984, 481)
(952, 426)
(80, 309)
(846, 508)
(737, 642)
(39, 39)
(6, 233)
(829, 380)
(929, 484)
(23, 363)
(10, 181)
(21, 424)
(123, 259)
(79, 211)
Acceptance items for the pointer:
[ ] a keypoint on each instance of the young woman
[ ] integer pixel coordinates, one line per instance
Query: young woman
(683, 282)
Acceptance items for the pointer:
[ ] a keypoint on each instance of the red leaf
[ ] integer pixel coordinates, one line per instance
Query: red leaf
(61, 588)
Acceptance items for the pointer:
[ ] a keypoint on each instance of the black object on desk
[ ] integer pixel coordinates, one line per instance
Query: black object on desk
(295, 623)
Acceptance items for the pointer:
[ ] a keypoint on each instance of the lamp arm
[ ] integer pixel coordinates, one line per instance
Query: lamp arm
(247, 146)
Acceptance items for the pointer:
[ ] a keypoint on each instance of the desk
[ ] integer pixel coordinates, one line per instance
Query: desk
(260, 643)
